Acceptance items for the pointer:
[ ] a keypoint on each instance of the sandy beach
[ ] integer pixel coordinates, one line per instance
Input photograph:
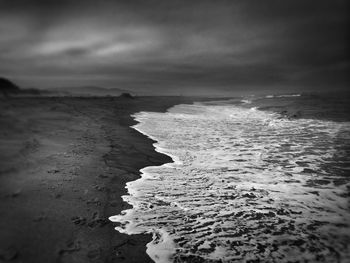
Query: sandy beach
(63, 167)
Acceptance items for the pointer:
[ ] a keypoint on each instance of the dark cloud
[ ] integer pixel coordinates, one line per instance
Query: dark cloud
(176, 46)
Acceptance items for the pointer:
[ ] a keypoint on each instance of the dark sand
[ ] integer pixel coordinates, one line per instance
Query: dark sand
(64, 163)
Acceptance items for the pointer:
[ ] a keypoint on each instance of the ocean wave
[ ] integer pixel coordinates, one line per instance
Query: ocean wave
(282, 96)
(246, 101)
(243, 185)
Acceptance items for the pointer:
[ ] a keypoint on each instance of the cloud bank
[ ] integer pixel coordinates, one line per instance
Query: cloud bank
(176, 46)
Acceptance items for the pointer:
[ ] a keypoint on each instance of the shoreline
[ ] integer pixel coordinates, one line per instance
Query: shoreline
(123, 218)
(265, 202)
(64, 166)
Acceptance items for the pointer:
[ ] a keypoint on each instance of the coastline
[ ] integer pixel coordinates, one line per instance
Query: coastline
(271, 206)
(64, 166)
(164, 242)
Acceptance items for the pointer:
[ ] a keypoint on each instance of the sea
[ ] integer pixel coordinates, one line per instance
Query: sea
(253, 179)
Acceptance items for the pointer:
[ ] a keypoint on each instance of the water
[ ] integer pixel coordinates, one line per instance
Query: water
(248, 182)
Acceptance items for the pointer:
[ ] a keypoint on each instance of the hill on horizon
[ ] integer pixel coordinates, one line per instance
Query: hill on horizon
(7, 87)
(87, 91)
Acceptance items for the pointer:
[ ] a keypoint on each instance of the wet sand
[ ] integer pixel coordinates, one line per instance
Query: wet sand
(64, 163)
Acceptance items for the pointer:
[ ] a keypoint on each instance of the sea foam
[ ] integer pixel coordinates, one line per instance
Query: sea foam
(243, 185)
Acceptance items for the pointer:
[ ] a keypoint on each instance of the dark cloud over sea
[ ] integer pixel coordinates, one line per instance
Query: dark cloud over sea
(176, 46)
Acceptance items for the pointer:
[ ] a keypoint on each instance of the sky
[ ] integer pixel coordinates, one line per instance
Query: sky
(177, 47)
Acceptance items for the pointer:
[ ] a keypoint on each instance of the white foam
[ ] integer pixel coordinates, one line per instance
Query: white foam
(246, 101)
(232, 168)
(282, 96)
(288, 95)
(161, 249)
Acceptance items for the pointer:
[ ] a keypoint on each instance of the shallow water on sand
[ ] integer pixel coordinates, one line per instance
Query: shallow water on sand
(245, 185)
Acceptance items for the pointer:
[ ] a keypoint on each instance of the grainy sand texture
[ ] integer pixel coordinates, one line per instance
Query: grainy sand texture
(64, 163)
